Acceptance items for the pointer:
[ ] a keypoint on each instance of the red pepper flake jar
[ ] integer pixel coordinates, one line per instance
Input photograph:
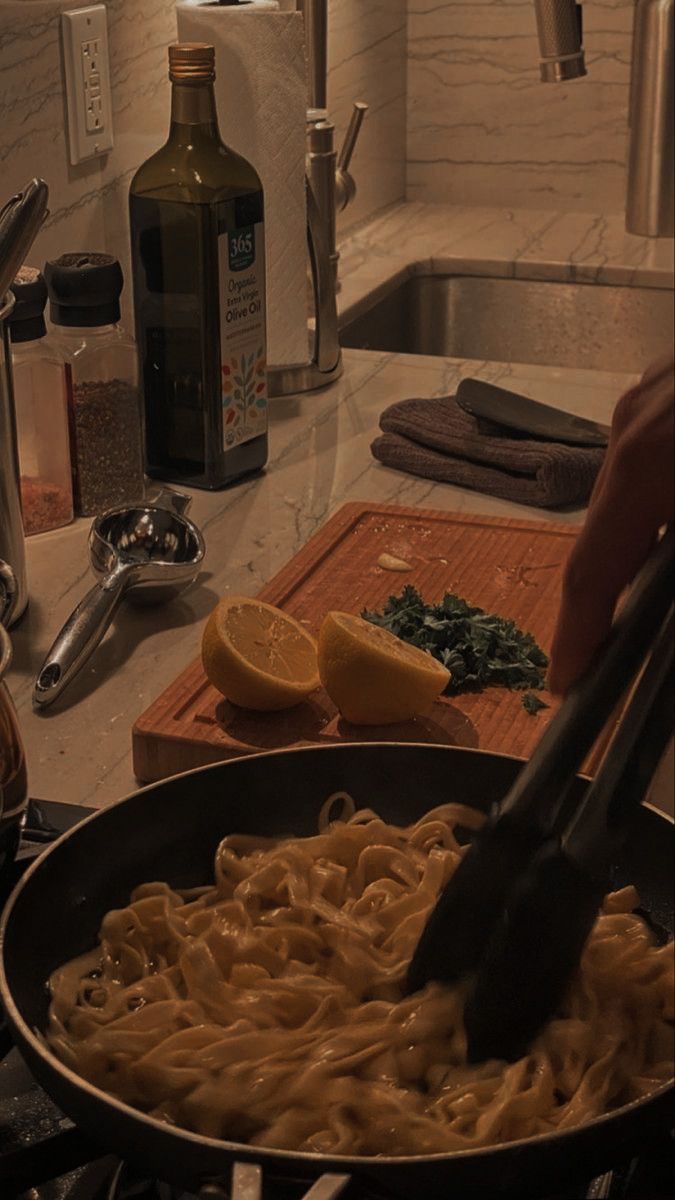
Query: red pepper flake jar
(41, 410)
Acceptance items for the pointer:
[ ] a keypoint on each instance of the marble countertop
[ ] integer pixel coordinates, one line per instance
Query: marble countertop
(511, 243)
(80, 750)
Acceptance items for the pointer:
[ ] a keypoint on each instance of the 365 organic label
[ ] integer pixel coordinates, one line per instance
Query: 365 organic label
(242, 334)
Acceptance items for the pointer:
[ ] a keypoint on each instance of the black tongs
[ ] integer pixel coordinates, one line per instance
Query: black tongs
(517, 912)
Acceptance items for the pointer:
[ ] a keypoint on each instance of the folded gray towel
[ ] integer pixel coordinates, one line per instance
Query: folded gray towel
(436, 439)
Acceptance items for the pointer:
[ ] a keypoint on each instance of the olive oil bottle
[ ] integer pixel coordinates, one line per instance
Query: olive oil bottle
(198, 252)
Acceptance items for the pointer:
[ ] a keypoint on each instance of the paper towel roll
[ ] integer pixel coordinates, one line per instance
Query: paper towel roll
(261, 93)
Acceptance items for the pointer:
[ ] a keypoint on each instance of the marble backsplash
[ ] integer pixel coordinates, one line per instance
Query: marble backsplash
(367, 61)
(483, 130)
(456, 109)
(88, 203)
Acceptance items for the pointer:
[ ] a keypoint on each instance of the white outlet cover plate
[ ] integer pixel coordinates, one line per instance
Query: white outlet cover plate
(87, 69)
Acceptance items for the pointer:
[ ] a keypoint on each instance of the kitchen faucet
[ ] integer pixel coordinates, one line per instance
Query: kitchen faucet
(331, 182)
(330, 189)
(650, 190)
(560, 29)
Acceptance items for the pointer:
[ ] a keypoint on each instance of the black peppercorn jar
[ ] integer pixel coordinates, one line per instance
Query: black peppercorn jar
(101, 372)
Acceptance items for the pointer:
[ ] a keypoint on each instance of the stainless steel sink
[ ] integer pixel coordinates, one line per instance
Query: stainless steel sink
(589, 325)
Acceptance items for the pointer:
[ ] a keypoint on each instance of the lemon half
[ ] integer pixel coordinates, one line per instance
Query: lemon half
(372, 676)
(257, 656)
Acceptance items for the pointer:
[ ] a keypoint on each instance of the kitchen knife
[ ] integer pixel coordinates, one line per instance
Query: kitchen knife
(528, 416)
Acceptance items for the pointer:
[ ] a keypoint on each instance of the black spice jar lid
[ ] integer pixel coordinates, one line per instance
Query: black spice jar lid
(26, 321)
(84, 289)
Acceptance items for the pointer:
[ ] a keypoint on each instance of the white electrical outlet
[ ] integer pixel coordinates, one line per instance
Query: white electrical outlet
(85, 55)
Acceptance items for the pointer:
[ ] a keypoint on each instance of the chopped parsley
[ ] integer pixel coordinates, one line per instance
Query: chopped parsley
(479, 649)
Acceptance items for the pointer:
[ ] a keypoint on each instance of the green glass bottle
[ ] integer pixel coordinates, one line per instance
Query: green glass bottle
(198, 252)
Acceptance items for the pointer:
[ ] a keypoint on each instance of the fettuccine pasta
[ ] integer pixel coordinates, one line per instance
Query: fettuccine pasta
(269, 1008)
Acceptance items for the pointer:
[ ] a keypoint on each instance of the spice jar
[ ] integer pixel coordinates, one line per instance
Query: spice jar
(41, 410)
(101, 380)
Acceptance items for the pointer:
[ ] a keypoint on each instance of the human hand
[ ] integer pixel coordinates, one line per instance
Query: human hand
(632, 499)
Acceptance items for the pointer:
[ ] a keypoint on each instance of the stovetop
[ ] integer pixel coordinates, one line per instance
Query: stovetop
(44, 1157)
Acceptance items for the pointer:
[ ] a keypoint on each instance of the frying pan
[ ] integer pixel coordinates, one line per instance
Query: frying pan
(170, 831)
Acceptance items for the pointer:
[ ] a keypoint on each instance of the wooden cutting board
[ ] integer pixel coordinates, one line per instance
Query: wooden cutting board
(510, 567)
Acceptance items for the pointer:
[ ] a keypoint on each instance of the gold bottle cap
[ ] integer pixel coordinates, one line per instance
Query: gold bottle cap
(191, 62)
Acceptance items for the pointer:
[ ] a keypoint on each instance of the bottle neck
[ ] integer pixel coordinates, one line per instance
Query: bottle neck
(193, 113)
